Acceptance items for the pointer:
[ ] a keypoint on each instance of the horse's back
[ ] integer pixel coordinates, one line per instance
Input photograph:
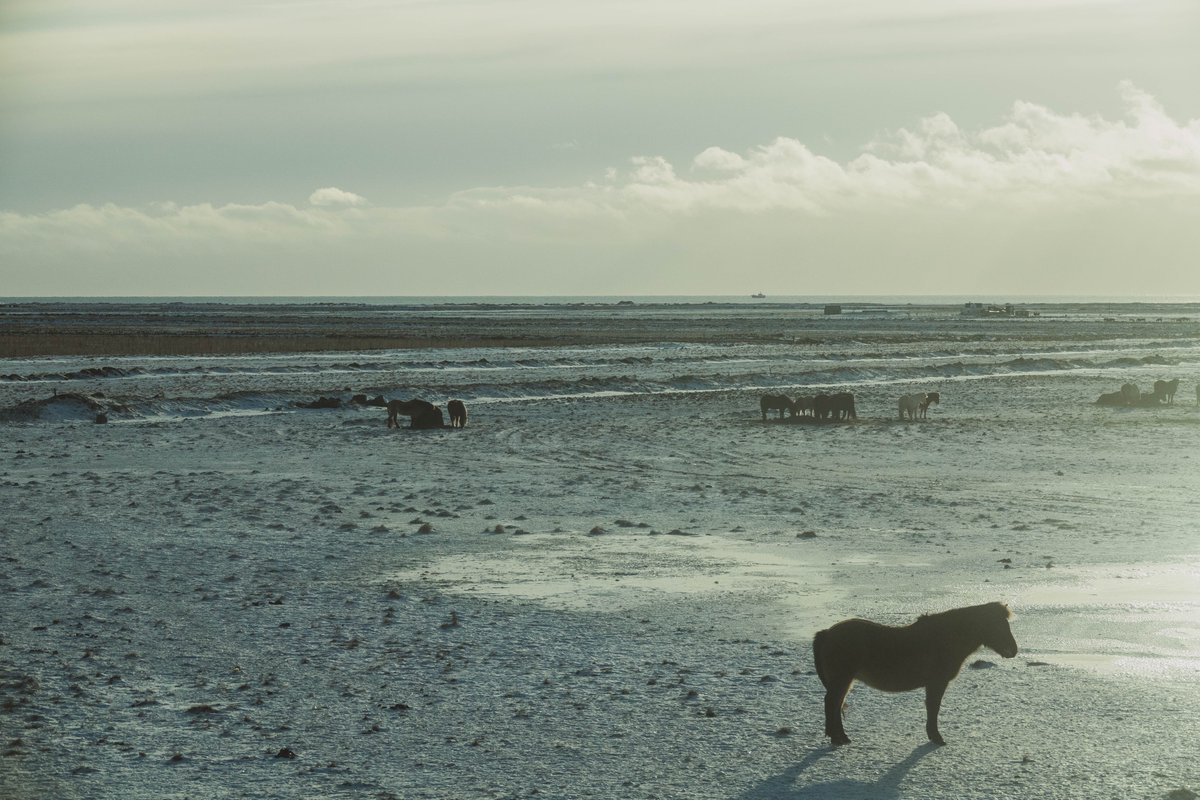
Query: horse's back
(883, 657)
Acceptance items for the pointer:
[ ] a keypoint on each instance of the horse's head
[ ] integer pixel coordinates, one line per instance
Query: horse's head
(997, 635)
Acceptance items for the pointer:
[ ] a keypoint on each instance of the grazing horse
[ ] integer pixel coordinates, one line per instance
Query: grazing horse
(842, 406)
(931, 399)
(458, 413)
(422, 413)
(776, 402)
(804, 404)
(1166, 390)
(909, 404)
(822, 406)
(1131, 394)
(927, 653)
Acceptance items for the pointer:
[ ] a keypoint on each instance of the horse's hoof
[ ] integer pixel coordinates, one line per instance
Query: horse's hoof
(938, 740)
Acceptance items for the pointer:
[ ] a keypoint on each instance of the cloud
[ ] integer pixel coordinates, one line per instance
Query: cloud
(331, 196)
(715, 158)
(1035, 157)
(1031, 199)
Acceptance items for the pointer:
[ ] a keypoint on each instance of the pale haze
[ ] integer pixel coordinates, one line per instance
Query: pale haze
(566, 148)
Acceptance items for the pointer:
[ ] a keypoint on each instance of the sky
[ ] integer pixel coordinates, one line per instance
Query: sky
(605, 147)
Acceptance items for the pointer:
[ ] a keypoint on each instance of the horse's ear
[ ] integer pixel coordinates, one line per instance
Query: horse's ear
(1008, 611)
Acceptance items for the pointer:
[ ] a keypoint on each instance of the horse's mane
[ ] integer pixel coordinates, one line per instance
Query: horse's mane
(969, 611)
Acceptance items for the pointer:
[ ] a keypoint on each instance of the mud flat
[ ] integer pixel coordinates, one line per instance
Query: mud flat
(607, 584)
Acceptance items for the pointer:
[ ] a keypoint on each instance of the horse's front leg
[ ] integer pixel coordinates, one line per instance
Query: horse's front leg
(933, 704)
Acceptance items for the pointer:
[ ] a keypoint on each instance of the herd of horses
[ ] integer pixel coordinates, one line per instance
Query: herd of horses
(423, 414)
(1130, 395)
(840, 406)
(820, 407)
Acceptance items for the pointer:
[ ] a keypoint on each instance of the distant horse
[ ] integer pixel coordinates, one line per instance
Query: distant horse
(1112, 399)
(1131, 394)
(776, 402)
(909, 404)
(1166, 390)
(822, 406)
(931, 399)
(458, 413)
(422, 413)
(804, 404)
(841, 405)
(928, 653)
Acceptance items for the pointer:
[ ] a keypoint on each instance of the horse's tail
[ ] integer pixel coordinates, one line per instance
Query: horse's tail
(819, 656)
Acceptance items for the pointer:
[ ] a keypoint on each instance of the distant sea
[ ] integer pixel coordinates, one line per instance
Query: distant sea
(887, 300)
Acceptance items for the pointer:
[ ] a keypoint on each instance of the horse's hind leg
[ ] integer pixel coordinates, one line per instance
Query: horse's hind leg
(835, 698)
(933, 704)
(837, 686)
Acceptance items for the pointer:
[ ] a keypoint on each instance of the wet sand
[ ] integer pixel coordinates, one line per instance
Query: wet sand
(597, 595)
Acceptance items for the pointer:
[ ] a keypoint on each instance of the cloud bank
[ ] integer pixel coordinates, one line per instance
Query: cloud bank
(1064, 200)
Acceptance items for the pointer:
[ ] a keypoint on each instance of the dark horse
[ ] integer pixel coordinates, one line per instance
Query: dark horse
(458, 413)
(776, 402)
(423, 413)
(1166, 390)
(841, 406)
(928, 653)
(931, 399)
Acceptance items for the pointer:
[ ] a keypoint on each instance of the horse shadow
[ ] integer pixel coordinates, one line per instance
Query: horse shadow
(785, 787)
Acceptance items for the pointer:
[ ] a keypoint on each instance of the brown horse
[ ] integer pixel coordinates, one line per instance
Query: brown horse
(841, 406)
(822, 406)
(776, 402)
(931, 399)
(458, 413)
(927, 653)
(423, 413)
(1166, 390)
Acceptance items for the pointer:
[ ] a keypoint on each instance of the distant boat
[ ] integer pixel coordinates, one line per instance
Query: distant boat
(759, 296)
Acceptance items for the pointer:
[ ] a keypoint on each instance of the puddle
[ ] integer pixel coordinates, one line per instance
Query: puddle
(621, 572)
(1144, 585)
(1137, 620)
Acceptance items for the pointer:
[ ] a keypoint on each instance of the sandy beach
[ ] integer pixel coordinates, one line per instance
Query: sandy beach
(607, 584)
